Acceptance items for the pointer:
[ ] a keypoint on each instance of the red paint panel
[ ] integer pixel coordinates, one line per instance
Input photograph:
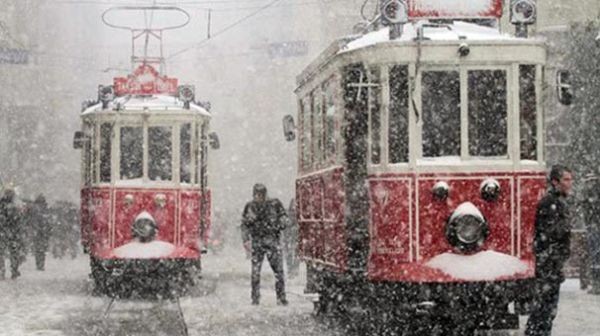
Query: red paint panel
(190, 219)
(144, 200)
(531, 190)
(100, 205)
(145, 80)
(454, 9)
(433, 214)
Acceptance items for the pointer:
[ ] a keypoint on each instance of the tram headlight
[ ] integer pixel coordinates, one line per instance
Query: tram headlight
(441, 190)
(144, 228)
(187, 93)
(467, 229)
(394, 12)
(523, 11)
(490, 190)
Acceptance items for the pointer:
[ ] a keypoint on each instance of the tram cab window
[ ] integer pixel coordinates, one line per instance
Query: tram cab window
(374, 76)
(132, 153)
(398, 114)
(186, 151)
(488, 113)
(440, 94)
(106, 130)
(317, 130)
(160, 153)
(528, 114)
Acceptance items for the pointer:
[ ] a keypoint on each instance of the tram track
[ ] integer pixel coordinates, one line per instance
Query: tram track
(159, 310)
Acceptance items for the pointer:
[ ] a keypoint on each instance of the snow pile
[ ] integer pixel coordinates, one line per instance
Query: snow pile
(485, 265)
(466, 208)
(452, 32)
(138, 250)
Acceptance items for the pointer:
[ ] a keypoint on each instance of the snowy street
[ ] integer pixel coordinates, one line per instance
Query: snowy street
(58, 302)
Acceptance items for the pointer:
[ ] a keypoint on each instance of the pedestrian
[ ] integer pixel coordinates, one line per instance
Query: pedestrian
(552, 249)
(10, 233)
(591, 212)
(290, 242)
(41, 225)
(263, 220)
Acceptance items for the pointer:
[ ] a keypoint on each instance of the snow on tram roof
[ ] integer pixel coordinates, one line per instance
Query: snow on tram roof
(153, 102)
(458, 30)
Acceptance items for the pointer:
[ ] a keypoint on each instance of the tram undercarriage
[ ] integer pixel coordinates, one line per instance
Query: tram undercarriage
(144, 278)
(385, 308)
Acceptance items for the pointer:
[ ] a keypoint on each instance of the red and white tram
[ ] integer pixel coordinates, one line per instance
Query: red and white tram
(145, 201)
(420, 153)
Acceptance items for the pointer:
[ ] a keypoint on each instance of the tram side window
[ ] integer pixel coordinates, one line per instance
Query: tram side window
(306, 133)
(329, 106)
(160, 153)
(398, 114)
(375, 112)
(318, 131)
(528, 113)
(441, 113)
(132, 153)
(185, 155)
(488, 113)
(105, 151)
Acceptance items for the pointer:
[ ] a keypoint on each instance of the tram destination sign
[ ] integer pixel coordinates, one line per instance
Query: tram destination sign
(14, 56)
(454, 8)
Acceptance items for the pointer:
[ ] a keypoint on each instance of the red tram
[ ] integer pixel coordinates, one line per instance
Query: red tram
(145, 201)
(421, 163)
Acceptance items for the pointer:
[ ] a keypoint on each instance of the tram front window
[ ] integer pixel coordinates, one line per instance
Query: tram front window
(105, 151)
(441, 113)
(487, 113)
(185, 140)
(160, 152)
(132, 153)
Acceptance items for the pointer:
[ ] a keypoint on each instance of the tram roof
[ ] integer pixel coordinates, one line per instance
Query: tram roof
(454, 32)
(152, 103)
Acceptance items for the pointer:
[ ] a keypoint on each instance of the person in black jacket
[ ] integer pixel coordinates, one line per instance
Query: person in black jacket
(40, 223)
(552, 249)
(10, 233)
(263, 220)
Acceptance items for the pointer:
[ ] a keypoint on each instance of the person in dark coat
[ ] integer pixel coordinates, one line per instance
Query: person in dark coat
(263, 220)
(290, 242)
(41, 226)
(552, 249)
(10, 233)
(591, 212)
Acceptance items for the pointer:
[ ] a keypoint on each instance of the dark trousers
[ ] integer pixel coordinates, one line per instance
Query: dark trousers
(544, 309)
(40, 260)
(273, 254)
(10, 249)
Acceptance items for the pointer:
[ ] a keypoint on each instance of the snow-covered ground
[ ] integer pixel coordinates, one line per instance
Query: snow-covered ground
(58, 302)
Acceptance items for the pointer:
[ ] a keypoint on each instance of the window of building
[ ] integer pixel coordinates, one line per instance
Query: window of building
(440, 95)
(329, 107)
(488, 113)
(160, 153)
(398, 114)
(185, 153)
(132, 153)
(528, 112)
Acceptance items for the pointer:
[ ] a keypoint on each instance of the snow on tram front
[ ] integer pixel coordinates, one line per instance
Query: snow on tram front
(420, 150)
(145, 200)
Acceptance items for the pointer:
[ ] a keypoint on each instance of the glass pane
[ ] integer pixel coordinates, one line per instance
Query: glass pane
(132, 153)
(105, 151)
(160, 152)
(330, 141)
(441, 113)
(487, 113)
(306, 131)
(375, 113)
(317, 111)
(185, 146)
(528, 113)
(398, 119)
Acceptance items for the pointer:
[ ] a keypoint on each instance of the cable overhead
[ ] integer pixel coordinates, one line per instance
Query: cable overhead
(229, 27)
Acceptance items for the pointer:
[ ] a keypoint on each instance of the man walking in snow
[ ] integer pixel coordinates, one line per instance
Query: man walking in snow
(40, 223)
(10, 233)
(263, 220)
(552, 249)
